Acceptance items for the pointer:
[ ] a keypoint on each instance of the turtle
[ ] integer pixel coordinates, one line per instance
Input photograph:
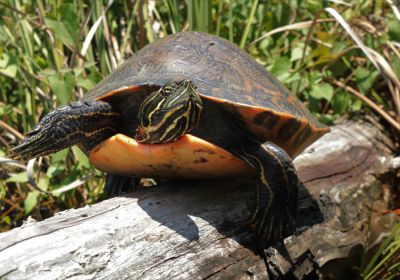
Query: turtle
(197, 84)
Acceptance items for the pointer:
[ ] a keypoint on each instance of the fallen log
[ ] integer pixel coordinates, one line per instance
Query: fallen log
(198, 229)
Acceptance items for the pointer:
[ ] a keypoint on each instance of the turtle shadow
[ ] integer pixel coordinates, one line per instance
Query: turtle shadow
(186, 206)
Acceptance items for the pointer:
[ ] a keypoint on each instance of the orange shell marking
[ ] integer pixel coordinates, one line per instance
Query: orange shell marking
(189, 157)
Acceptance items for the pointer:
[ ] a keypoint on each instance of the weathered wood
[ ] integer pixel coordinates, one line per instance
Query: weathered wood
(198, 229)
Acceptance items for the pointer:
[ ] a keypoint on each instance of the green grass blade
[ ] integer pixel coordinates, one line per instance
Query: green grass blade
(231, 20)
(249, 22)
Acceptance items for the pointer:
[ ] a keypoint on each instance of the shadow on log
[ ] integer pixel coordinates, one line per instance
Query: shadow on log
(199, 230)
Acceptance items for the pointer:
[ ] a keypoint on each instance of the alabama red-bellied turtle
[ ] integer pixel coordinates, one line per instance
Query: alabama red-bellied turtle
(203, 85)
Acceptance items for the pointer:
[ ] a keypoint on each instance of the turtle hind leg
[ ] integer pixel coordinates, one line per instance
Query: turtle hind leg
(275, 213)
(117, 185)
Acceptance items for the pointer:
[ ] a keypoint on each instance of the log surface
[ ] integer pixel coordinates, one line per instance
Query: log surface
(198, 229)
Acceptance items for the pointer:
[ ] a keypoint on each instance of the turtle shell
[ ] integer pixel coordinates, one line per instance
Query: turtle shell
(225, 74)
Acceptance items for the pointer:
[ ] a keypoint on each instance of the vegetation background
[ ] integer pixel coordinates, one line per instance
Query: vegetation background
(342, 58)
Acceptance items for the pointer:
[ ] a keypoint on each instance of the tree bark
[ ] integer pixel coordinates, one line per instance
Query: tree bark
(198, 229)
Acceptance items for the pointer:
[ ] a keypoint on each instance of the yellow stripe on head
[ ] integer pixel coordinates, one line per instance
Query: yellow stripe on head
(169, 113)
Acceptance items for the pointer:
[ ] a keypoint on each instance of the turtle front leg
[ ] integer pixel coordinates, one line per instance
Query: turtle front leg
(275, 213)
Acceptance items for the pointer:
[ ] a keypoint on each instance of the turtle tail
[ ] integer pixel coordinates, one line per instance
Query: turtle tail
(85, 123)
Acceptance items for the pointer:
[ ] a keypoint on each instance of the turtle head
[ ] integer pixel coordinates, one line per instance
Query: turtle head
(167, 114)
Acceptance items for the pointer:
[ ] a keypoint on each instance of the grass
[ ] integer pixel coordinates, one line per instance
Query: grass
(385, 264)
(340, 57)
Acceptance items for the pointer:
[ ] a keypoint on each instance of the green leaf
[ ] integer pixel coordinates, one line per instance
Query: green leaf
(60, 31)
(338, 68)
(396, 65)
(44, 183)
(54, 170)
(280, 68)
(8, 65)
(51, 71)
(322, 91)
(66, 29)
(293, 77)
(30, 201)
(322, 51)
(378, 97)
(85, 83)
(394, 29)
(356, 106)
(21, 177)
(3, 191)
(47, 72)
(326, 119)
(69, 17)
(3, 34)
(365, 79)
(83, 160)
(282, 14)
(340, 102)
(6, 220)
(264, 44)
(59, 156)
(62, 86)
(41, 62)
(297, 53)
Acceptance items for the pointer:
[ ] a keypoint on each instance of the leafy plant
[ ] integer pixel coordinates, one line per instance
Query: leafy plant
(340, 58)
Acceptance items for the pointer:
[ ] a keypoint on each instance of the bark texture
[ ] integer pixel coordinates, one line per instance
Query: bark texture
(198, 229)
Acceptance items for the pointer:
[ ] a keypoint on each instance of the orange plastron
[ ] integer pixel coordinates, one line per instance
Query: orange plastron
(188, 157)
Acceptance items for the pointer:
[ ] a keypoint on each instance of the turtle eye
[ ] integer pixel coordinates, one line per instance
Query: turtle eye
(169, 88)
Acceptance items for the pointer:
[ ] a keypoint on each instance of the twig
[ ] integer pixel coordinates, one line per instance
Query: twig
(294, 26)
(391, 45)
(367, 101)
(11, 130)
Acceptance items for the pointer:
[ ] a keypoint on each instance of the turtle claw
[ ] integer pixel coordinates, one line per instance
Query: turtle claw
(273, 227)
